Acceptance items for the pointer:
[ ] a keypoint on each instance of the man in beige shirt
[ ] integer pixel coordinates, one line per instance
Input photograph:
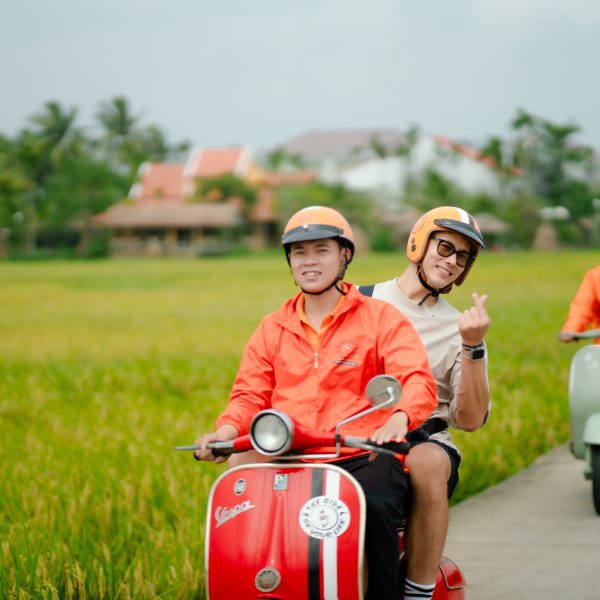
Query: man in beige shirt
(442, 248)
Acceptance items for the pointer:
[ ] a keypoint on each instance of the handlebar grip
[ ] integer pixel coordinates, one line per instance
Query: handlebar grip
(221, 448)
(398, 447)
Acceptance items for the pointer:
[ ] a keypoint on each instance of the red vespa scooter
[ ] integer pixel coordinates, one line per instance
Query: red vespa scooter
(291, 530)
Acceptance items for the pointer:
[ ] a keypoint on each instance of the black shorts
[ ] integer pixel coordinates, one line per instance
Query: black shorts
(455, 459)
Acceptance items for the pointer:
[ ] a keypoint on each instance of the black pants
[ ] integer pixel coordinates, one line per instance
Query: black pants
(385, 486)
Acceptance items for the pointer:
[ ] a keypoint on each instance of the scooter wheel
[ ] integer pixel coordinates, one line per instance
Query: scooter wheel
(596, 477)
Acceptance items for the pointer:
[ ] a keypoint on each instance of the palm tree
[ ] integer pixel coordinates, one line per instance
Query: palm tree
(116, 118)
(545, 151)
(126, 144)
(120, 129)
(40, 151)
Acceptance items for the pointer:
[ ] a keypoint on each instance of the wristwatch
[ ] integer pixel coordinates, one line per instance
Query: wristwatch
(474, 352)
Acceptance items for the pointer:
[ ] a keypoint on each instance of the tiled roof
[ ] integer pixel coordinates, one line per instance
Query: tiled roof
(472, 153)
(123, 216)
(210, 162)
(159, 182)
(341, 142)
(463, 149)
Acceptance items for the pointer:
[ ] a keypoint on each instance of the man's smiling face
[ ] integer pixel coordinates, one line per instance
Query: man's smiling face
(317, 263)
(441, 271)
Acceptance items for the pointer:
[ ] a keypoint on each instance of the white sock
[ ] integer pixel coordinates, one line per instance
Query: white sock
(418, 591)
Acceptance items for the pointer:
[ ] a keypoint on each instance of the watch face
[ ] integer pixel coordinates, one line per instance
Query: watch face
(477, 354)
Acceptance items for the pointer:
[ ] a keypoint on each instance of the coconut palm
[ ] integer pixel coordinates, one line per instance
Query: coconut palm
(39, 150)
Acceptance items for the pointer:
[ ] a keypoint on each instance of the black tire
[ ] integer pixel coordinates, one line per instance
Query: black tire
(596, 477)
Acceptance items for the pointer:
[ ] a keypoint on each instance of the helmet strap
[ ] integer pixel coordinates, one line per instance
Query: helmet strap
(431, 290)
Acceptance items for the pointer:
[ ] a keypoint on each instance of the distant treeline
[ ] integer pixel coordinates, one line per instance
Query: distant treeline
(55, 175)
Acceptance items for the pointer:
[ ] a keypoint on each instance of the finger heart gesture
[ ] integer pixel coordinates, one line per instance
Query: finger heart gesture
(474, 322)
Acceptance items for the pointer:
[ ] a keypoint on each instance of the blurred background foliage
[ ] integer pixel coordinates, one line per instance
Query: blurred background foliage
(56, 175)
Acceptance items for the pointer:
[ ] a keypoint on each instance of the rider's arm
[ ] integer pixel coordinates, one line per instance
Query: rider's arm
(585, 307)
(471, 403)
(254, 383)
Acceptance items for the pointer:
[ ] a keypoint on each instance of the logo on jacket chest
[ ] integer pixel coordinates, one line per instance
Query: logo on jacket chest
(346, 349)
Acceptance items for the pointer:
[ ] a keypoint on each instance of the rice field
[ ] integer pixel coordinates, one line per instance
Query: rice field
(104, 366)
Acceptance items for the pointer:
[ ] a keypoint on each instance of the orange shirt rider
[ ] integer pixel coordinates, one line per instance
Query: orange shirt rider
(584, 311)
(319, 377)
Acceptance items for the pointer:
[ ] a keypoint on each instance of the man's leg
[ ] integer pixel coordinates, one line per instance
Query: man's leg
(429, 468)
(384, 483)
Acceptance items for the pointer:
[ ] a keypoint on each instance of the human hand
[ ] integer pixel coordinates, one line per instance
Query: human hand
(474, 322)
(566, 336)
(223, 434)
(394, 430)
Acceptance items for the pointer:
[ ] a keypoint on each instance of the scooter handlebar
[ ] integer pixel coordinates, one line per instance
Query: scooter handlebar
(590, 334)
(392, 448)
(240, 444)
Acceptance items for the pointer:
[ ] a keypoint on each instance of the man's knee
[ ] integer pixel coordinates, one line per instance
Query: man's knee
(428, 464)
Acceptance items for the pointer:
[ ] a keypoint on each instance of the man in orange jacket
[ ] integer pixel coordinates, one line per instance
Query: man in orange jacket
(584, 311)
(312, 359)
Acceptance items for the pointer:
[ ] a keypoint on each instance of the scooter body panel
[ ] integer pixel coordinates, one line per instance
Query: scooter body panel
(591, 438)
(584, 394)
(591, 431)
(285, 531)
(450, 582)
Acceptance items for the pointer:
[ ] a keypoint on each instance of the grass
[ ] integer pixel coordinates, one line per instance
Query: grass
(106, 365)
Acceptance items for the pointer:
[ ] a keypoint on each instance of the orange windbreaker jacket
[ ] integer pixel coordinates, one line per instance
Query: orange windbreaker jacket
(280, 368)
(585, 307)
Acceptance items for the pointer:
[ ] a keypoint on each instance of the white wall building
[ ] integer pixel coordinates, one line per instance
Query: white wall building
(461, 165)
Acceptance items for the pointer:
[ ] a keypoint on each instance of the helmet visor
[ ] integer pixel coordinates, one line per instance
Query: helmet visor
(309, 232)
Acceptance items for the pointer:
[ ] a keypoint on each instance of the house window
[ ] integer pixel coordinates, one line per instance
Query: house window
(184, 236)
(154, 234)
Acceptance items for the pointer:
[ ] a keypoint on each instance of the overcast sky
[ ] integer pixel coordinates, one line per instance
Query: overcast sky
(258, 72)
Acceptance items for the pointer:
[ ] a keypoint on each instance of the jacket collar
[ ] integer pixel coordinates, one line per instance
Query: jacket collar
(287, 315)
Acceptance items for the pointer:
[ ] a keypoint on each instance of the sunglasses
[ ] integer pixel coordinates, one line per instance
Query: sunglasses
(446, 249)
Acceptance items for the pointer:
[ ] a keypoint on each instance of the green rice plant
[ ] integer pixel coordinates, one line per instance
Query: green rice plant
(107, 365)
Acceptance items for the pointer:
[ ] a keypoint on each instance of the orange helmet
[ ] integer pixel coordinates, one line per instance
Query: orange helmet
(449, 218)
(317, 223)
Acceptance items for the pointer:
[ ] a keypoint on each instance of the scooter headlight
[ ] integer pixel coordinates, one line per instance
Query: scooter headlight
(271, 432)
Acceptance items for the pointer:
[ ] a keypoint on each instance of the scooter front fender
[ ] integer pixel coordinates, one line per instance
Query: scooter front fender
(285, 531)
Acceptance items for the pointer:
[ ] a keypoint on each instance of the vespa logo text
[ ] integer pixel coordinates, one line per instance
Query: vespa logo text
(323, 517)
(224, 514)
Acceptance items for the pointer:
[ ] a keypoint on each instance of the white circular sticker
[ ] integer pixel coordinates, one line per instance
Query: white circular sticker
(324, 517)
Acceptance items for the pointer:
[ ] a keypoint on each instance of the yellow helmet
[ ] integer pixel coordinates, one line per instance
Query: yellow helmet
(317, 223)
(449, 218)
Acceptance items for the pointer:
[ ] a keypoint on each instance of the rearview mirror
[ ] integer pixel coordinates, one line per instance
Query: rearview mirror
(384, 389)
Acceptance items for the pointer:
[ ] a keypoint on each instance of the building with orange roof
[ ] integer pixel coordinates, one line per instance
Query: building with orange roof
(163, 216)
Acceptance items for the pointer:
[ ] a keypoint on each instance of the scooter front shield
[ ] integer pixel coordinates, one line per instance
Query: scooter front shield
(285, 531)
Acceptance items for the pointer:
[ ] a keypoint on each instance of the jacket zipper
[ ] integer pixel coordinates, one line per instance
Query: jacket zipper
(316, 363)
